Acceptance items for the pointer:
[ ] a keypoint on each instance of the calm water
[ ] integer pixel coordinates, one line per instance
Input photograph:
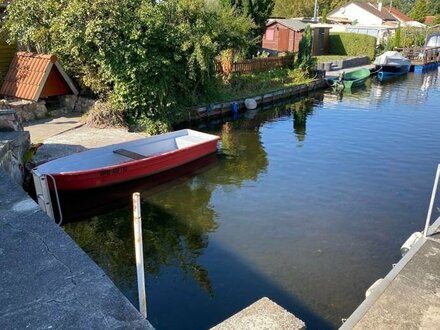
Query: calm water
(307, 203)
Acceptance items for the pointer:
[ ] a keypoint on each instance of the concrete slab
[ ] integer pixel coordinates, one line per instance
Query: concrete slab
(409, 296)
(66, 135)
(46, 280)
(263, 314)
(43, 129)
(80, 139)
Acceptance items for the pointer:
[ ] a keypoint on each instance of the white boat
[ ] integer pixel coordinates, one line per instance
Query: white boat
(391, 64)
(125, 161)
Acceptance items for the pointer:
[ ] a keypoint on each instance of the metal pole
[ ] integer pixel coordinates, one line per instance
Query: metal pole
(138, 245)
(315, 12)
(431, 204)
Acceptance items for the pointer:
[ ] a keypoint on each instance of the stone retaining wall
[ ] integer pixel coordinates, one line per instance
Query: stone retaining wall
(55, 107)
(26, 110)
(14, 143)
(219, 109)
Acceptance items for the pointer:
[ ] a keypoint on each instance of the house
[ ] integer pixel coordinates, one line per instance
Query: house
(397, 14)
(34, 76)
(284, 35)
(363, 13)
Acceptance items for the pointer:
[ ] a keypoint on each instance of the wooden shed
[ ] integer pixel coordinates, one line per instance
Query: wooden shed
(34, 76)
(321, 40)
(284, 35)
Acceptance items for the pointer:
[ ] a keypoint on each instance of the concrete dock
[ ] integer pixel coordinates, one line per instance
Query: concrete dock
(262, 315)
(46, 280)
(409, 296)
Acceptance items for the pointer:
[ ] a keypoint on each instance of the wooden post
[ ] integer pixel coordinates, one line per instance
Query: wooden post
(138, 245)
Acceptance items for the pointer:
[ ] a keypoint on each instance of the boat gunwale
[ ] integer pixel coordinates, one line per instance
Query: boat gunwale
(130, 162)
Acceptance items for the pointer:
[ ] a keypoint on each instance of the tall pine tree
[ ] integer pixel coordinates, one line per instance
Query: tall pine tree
(419, 11)
(306, 61)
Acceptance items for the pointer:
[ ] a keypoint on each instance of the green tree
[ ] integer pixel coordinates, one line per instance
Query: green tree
(397, 36)
(289, 9)
(151, 59)
(258, 10)
(306, 61)
(30, 21)
(300, 8)
(419, 11)
(324, 15)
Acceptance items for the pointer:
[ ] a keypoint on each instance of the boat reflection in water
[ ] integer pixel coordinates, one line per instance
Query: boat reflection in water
(168, 240)
(84, 204)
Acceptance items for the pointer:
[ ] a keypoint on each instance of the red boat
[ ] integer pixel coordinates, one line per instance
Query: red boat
(124, 161)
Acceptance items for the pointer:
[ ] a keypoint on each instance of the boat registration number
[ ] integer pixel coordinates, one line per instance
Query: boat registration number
(113, 171)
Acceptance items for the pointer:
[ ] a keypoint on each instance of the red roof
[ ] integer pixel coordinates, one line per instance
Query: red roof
(32, 76)
(429, 19)
(398, 14)
(372, 9)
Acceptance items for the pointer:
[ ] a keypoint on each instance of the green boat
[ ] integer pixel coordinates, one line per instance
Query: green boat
(355, 78)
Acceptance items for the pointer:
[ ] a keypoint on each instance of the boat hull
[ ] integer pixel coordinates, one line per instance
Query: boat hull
(130, 170)
(391, 72)
(355, 78)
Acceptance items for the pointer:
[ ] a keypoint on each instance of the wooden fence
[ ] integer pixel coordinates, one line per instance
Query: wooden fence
(422, 55)
(260, 64)
(6, 54)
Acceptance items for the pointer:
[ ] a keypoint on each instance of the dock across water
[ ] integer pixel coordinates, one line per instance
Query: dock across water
(409, 296)
(423, 59)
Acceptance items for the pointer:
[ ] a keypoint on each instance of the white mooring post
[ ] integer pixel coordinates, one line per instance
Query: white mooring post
(431, 203)
(138, 245)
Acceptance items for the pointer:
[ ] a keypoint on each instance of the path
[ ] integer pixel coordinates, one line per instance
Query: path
(66, 135)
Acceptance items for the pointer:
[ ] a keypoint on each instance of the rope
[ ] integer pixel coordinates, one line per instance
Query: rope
(337, 85)
(329, 84)
(374, 72)
(58, 199)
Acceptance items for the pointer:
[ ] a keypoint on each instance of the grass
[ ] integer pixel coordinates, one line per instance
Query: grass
(247, 85)
(330, 58)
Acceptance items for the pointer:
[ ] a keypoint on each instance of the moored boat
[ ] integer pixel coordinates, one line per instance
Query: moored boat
(125, 161)
(355, 78)
(391, 64)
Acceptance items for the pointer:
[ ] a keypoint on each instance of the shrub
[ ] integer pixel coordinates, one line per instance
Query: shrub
(104, 114)
(306, 61)
(352, 44)
(406, 37)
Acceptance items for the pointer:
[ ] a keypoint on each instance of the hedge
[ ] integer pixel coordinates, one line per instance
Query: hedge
(352, 44)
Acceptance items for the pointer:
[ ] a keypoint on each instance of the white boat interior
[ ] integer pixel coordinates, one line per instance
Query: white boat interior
(125, 152)
(433, 40)
(392, 58)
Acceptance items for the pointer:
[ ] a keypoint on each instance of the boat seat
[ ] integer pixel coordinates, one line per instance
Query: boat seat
(129, 154)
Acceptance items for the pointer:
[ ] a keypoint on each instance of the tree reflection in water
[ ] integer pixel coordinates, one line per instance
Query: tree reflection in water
(169, 240)
(177, 216)
(301, 110)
